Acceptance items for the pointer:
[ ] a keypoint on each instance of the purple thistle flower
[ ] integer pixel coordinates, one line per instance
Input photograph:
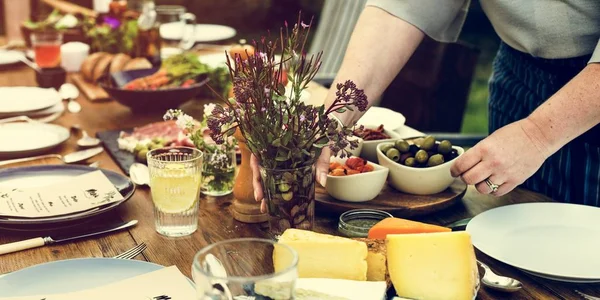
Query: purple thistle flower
(114, 23)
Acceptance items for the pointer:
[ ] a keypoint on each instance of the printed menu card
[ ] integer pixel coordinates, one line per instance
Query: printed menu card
(164, 284)
(77, 194)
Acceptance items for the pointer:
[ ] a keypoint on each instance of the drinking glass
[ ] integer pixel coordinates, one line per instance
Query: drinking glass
(175, 177)
(177, 29)
(46, 45)
(245, 268)
(218, 170)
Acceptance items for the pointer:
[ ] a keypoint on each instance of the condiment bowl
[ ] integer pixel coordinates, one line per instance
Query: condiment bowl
(369, 148)
(358, 187)
(418, 181)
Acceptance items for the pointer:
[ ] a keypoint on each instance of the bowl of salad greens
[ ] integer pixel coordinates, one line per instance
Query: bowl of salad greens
(179, 79)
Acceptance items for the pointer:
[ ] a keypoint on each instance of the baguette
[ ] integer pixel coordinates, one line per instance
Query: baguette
(137, 63)
(101, 67)
(118, 63)
(87, 67)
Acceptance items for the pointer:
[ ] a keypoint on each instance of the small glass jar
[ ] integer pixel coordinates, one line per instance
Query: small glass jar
(218, 170)
(357, 222)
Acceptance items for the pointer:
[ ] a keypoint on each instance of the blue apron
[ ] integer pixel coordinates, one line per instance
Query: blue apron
(519, 84)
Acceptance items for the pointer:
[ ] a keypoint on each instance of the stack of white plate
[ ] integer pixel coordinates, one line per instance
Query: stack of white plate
(557, 241)
(31, 138)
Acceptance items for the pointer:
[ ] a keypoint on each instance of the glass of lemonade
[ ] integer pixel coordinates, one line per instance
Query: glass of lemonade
(175, 179)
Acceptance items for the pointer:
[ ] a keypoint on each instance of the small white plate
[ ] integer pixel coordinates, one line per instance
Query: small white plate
(551, 240)
(23, 99)
(9, 57)
(203, 32)
(28, 139)
(376, 116)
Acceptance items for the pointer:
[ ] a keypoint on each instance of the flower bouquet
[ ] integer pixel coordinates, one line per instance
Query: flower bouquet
(285, 134)
(218, 166)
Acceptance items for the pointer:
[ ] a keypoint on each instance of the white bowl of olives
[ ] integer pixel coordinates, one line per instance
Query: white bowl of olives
(419, 166)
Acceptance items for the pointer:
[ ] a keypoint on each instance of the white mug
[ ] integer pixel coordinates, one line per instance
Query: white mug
(73, 54)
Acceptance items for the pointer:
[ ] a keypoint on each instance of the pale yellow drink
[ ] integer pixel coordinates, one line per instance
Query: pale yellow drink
(175, 181)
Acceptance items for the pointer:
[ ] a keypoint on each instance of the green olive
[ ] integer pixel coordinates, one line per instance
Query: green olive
(410, 162)
(428, 143)
(393, 154)
(444, 147)
(139, 147)
(421, 156)
(386, 147)
(402, 145)
(284, 187)
(435, 160)
(141, 155)
(287, 196)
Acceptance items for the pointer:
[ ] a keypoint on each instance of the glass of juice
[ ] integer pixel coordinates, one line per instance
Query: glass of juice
(46, 45)
(175, 179)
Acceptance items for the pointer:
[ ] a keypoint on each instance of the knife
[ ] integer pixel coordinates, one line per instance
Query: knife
(68, 159)
(459, 225)
(65, 237)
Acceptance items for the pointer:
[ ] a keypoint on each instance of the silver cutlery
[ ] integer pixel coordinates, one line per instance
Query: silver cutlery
(61, 238)
(95, 164)
(67, 159)
(29, 63)
(139, 174)
(129, 254)
(46, 119)
(133, 252)
(497, 282)
(586, 296)
(69, 92)
(85, 140)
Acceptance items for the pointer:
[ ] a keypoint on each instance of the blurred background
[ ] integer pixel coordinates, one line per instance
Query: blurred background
(252, 18)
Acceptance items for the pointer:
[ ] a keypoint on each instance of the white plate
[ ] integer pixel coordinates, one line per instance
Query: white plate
(556, 240)
(8, 57)
(71, 275)
(23, 99)
(376, 116)
(27, 139)
(203, 32)
(220, 60)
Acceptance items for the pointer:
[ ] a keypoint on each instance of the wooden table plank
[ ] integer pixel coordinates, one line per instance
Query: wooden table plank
(216, 223)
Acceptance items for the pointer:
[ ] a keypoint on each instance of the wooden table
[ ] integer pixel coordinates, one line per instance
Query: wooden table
(216, 223)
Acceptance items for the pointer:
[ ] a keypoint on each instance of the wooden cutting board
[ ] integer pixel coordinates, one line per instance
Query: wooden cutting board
(92, 91)
(397, 203)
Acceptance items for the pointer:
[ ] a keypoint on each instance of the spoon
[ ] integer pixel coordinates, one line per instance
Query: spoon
(497, 282)
(85, 140)
(139, 174)
(70, 92)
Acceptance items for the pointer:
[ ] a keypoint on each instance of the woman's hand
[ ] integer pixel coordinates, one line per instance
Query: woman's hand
(507, 158)
(321, 174)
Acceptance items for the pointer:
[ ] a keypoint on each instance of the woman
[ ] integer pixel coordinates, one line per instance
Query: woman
(544, 91)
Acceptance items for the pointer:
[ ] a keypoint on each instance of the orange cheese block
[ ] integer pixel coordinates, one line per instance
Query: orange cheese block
(402, 226)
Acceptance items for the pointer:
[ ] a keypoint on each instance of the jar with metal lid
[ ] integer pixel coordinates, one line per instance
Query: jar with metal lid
(357, 222)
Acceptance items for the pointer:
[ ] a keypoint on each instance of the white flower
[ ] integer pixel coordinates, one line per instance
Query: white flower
(208, 108)
(184, 121)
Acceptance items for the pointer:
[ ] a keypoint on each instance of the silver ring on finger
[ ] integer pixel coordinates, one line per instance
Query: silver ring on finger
(493, 187)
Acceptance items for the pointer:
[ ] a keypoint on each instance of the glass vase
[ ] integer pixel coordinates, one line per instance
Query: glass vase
(218, 171)
(290, 197)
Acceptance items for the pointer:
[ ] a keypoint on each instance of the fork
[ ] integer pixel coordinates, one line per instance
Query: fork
(129, 254)
(133, 252)
(586, 296)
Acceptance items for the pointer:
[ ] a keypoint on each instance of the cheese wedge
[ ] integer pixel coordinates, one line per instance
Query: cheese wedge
(433, 266)
(323, 255)
(402, 226)
(376, 260)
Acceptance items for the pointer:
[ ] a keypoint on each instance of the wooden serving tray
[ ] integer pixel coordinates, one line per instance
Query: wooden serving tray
(92, 91)
(397, 203)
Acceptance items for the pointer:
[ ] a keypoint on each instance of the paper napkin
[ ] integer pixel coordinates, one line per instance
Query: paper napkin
(77, 194)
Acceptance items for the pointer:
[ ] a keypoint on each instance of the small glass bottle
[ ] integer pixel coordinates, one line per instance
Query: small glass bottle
(148, 39)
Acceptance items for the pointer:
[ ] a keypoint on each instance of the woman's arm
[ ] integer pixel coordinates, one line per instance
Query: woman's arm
(379, 47)
(514, 152)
